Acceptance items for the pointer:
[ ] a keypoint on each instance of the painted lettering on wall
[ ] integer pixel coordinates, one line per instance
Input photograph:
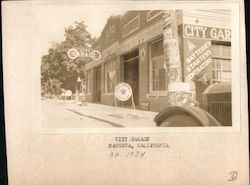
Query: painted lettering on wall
(204, 32)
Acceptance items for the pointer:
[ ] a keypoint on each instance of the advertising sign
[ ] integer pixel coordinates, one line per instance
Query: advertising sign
(204, 32)
(197, 58)
(123, 91)
(68, 93)
(74, 53)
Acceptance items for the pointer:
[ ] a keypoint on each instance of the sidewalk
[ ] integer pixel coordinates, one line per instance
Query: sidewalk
(116, 116)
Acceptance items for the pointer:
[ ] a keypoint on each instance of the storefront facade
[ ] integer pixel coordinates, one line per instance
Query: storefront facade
(132, 52)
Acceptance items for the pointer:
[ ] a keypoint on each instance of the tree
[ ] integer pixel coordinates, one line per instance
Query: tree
(57, 70)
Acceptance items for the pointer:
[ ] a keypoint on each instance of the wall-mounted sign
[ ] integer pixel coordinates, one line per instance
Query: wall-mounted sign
(197, 57)
(195, 31)
(74, 53)
(123, 91)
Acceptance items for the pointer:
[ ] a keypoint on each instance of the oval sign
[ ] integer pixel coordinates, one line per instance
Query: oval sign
(123, 91)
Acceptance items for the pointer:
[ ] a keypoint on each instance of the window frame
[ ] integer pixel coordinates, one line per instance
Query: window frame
(220, 58)
(113, 63)
(151, 91)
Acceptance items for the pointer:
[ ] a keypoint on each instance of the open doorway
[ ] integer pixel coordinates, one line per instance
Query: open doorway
(131, 75)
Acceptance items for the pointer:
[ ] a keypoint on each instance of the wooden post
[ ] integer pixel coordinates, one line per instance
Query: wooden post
(178, 91)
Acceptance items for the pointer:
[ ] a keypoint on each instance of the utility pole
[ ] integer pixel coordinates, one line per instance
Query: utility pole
(178, 91)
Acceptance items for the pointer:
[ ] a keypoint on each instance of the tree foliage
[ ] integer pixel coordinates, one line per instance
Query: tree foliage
(57, 70)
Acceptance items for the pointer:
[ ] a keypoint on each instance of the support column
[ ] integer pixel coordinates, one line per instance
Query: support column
(178, 91)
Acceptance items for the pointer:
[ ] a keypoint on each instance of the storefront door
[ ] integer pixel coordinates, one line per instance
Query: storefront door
(97, 85)
(131, 76)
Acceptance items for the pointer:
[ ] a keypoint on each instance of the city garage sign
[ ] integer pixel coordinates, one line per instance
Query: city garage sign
(203, 32)
(74, 53)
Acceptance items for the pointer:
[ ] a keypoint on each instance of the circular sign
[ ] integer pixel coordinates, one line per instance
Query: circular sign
(72, 53)
(68, 93)
(95, 55)
(123, 91)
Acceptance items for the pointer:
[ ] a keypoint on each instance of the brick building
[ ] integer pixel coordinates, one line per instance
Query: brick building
(132, 52)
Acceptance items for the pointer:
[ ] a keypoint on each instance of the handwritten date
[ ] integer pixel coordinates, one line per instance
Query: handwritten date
(131, 154)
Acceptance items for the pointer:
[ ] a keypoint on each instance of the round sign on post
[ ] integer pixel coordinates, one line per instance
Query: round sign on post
(68, 93)
(123, 91)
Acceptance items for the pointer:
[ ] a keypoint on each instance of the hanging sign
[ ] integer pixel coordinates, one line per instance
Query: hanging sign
(123, 91)
(74, 53)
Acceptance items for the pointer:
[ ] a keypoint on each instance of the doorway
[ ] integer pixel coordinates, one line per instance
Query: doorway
(97, 85)
(131, 76)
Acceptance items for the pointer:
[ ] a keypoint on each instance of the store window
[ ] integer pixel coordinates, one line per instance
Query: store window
(158, 72)
(221, 64)
(110, 75)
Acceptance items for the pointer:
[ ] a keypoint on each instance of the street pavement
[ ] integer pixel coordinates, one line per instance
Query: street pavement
(69, 114)
(57, 114)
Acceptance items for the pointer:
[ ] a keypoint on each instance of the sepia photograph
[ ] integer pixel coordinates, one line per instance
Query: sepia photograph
(137, 68)
(125, 92)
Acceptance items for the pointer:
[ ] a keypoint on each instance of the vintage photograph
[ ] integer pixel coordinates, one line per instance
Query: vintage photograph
(136, 68)
(125, 92)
